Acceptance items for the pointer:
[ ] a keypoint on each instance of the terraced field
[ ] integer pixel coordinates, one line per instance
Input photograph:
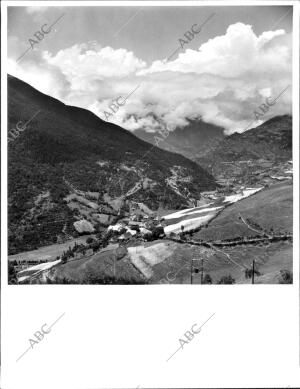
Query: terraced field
(193, 218)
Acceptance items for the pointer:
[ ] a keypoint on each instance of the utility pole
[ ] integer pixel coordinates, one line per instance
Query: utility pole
(196, 270)
(253, 271)
(115, 266)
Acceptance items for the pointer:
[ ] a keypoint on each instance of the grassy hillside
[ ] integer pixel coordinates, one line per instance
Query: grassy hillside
(173, 265)
(270, 208)
(101, 268)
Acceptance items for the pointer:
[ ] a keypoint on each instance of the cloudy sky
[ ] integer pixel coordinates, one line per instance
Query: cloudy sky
(93, 55)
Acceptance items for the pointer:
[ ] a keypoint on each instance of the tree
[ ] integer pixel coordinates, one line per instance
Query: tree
(106, 238)
(90, 240)
(95, 246)
(148, 237)
(99, 235)
(182, 236)
(64, 257)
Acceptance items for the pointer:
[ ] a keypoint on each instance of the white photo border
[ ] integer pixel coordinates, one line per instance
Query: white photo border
(121, 336)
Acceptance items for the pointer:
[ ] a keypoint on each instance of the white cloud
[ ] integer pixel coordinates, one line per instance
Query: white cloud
(224, 81)
(86, 61)
(229, 55)
(36, 9)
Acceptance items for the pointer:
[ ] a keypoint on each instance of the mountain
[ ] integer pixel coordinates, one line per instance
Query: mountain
(271, 141)
(259, 156)
(65, 164)
(192, 141)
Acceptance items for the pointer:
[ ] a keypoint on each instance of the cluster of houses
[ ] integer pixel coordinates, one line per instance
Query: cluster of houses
(138, 224)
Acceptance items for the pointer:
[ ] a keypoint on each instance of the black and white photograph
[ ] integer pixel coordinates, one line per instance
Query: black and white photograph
(150, 194)
(143, 156)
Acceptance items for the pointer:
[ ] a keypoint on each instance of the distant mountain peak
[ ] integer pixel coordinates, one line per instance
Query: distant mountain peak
(192, 140)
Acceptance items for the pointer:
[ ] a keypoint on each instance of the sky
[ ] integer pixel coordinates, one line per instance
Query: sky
(221, 73)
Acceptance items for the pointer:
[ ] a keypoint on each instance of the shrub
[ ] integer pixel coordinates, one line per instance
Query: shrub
(285, 277)
(227, 280)
(207, 279)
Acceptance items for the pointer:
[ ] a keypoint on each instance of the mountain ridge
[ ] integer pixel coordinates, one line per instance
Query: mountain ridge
(272, 140)
(70, 144)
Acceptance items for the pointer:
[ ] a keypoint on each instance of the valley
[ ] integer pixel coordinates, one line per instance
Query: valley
(223, 237)
(91, 203)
